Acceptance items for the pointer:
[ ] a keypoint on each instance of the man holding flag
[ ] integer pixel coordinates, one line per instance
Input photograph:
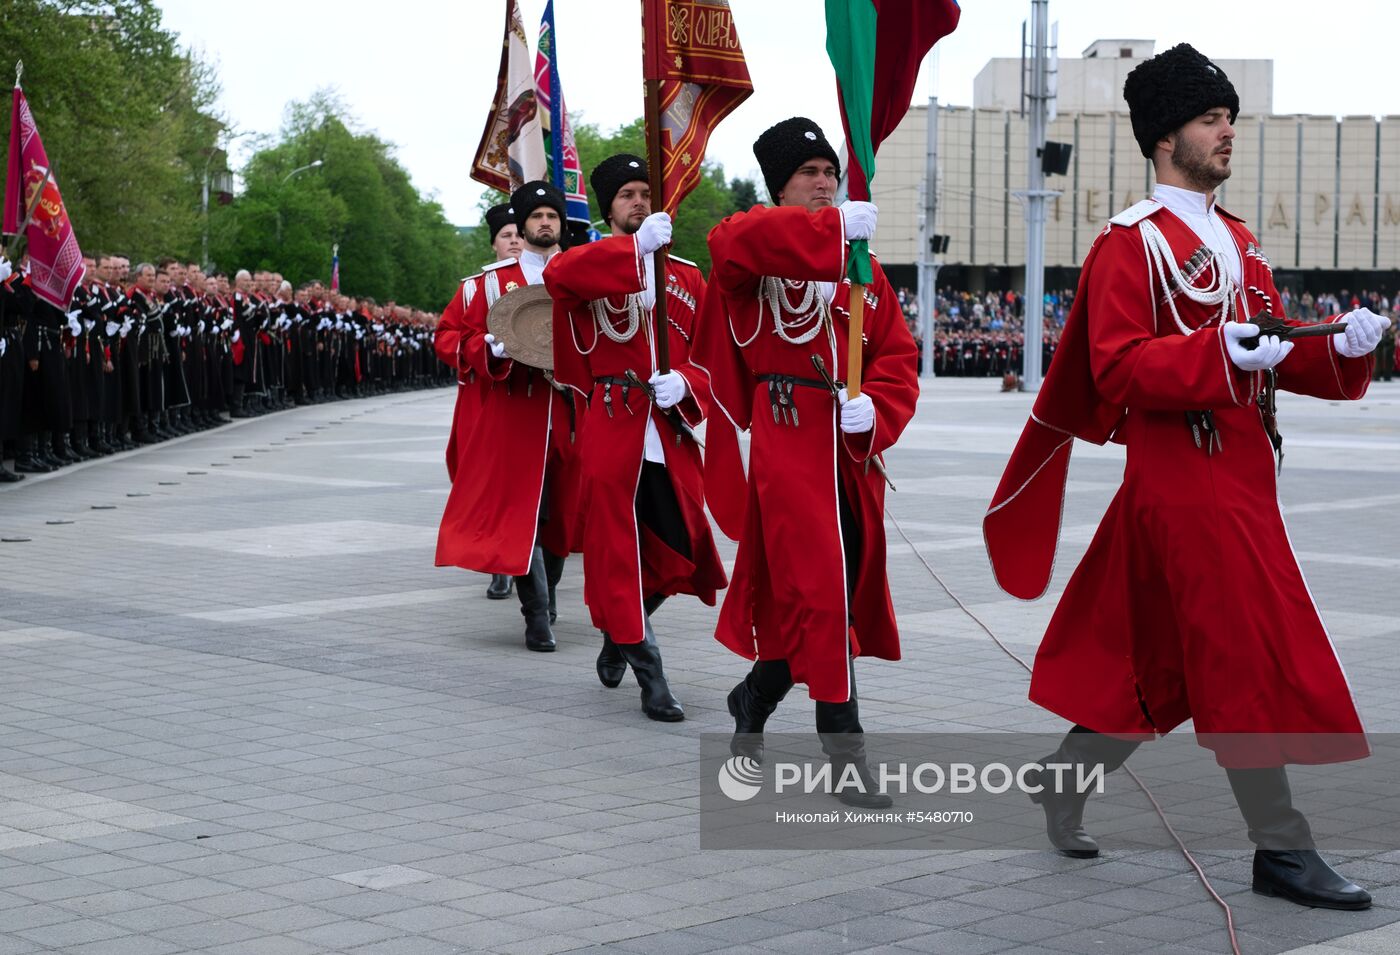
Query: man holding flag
(646, 536)
(794, 327)
(809, 589)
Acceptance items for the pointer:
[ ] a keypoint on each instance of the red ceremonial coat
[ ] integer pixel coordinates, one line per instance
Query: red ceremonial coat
(787, 597)
(1189, 603)
(520, 443)
(624, 561)
(452, 334)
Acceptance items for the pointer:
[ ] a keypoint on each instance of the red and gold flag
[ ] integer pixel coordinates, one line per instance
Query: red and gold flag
(33, 204)
(691, 48)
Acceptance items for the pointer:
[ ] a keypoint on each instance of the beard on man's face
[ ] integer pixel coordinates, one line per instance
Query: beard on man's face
(544, 238)
(1194, 163)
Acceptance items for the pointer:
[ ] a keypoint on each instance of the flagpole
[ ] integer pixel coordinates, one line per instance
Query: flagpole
(658, 201)
(856, 353)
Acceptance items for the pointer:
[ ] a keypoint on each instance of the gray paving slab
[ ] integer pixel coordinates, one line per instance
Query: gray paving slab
(245, 713)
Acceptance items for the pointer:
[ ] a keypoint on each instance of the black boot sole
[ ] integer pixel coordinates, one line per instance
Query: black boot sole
(1272, 891)
(664, 716)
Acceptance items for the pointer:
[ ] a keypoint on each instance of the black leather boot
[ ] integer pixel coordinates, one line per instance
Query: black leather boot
(7, 476)
(753, 701)
(500, 587)
(78, 442)
(612, 665)
(1064, 811)
(533, 589)
(27, 461)
(645, 660)
(843, 740)
(1286, 864)
(553, 570)
(61, 449)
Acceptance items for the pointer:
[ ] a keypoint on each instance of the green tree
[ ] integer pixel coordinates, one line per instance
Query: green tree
(126, 117)
(394, 243)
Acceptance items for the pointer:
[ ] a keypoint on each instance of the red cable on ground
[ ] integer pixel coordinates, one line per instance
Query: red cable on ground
(1200, 873)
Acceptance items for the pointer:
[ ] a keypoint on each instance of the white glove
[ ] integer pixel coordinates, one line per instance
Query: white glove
(1363, 334)
(237, 335)
(655, 231)
(75, 326)
(3, 344)
(88, 324)
(226, 324)
(859, 219)
(112, 329)
(858, 413)
(1270, 351)
(670, 388)
(5, 270)
(497, 349)
(200, 326)
(125, 328)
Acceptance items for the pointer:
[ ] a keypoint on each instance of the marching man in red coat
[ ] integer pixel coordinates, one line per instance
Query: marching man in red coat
(1189, 603)
(452, 334)
(646, 535)
(514, 501)
(809, 591)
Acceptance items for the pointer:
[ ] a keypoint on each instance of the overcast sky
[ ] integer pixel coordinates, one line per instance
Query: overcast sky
(421, 74)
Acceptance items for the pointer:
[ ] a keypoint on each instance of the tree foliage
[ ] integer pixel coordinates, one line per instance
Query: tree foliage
(394, 244)
(126, 116)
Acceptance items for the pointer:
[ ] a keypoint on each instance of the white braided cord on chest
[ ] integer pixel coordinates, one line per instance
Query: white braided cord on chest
(602, 316)
(1163, 261)
(811, 312)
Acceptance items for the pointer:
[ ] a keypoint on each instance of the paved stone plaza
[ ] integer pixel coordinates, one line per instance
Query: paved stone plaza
(241, 712)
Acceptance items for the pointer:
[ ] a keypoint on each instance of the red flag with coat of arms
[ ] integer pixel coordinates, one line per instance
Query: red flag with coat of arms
(692, 48)
(31, 192)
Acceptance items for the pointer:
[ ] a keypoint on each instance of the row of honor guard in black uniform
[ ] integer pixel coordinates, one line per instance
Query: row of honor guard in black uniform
(149, 353)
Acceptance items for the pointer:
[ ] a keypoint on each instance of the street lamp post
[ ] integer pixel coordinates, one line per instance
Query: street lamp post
(315, 164)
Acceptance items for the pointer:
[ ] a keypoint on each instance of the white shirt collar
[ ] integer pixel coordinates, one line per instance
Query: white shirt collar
(532, 263)
(1184, 201)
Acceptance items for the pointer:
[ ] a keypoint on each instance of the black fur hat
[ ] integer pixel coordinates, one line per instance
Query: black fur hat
(782, 149)
(498, 217)
(531, 196)
(610, 175)
(1167, 91)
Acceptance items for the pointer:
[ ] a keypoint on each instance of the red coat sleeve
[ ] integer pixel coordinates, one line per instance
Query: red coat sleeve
(574, 278)
(475, 354)
(452, 328)
(1132, 365)
(786, 240)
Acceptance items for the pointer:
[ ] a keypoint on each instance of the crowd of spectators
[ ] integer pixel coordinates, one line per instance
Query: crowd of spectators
(980, 334)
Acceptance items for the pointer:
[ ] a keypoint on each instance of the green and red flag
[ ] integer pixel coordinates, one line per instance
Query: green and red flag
(876, 47)
(691, 49)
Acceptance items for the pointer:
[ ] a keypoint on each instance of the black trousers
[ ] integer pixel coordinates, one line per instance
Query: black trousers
(660, 510)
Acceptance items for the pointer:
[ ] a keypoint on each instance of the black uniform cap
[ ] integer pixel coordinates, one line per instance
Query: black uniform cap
(498, 217)
(610, 175)
(531, 196)
(1167, 91)
(784, 148)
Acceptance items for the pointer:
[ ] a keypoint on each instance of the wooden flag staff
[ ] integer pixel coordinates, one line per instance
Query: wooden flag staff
(653, 126)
